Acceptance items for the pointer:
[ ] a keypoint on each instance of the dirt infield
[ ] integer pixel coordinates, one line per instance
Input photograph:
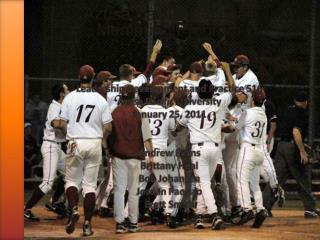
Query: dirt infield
(286, 224)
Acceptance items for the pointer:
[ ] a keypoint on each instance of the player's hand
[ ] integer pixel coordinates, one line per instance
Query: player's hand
(157, 46)
(304, 157)
(207, 47)
(241, 97)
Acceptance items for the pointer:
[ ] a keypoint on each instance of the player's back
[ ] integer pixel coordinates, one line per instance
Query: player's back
(204, 119)
(254, 125)
(161, 122)
(113, 95)
(191, 86)
(86, 111)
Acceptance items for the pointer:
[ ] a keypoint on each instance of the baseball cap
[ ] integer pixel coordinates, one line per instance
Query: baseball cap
(258, 95)
(196, 67)
(159, 79)
(240, 60)
(128, 92)
(86, 72)
(301, 96)
(104, 76)
(160, 71)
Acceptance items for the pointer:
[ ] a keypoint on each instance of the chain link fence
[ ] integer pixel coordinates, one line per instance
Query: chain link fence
(62, 35)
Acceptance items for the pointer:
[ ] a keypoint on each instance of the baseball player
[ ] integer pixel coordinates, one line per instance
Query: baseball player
(53, 156)
(204, 123)
(246, 81)
(89, 120)
(192, 82)
(129, 75)
(252, 124)
(101, 84)
(161, 123)
(130, 129)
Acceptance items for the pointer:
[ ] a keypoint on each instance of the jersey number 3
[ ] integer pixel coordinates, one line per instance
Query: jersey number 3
(80, 108)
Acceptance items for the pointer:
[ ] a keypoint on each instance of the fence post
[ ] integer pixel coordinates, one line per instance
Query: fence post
(150, 27)
(311, 71)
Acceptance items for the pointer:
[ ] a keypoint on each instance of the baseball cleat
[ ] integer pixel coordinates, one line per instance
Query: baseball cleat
(87, 229)
(58, 208)
(105, 212)
(259, 219)
(171, 221)
(28, 215)
(133, 227)
(199, 222)
(269, 213)
(121, 228)
(217, 223)
(312, 213)
(246, 216)
(73, 219)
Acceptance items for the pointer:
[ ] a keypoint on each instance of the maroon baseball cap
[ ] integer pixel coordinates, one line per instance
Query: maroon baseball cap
(258, 95)
(104, 76)
(86, 72)
(196, 67)
(240, 60)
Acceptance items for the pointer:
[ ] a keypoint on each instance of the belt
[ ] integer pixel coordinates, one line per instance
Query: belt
(202, 143)
(288, 140)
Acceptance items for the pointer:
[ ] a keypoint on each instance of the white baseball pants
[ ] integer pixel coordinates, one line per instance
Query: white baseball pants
(53, 160)
(82, 164)
(230, 157)
(248, 175)
(210, 154)
(126, 175)
(267, 170)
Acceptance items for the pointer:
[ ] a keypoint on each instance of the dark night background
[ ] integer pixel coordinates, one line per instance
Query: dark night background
(62, 35)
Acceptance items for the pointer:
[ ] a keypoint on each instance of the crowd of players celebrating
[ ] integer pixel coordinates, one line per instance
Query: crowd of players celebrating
(176, 147)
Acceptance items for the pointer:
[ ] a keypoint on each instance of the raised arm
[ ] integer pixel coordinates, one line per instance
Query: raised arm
(208, 48)
(230, 80)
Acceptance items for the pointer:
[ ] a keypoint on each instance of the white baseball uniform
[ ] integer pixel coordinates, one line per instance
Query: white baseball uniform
(252, 125)
(191, 86)
(86, 111)
(230, 157)
(160, 125)
(114, 93)
(247, 83)
(218, 80)
(53, 156)
(204, 123)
